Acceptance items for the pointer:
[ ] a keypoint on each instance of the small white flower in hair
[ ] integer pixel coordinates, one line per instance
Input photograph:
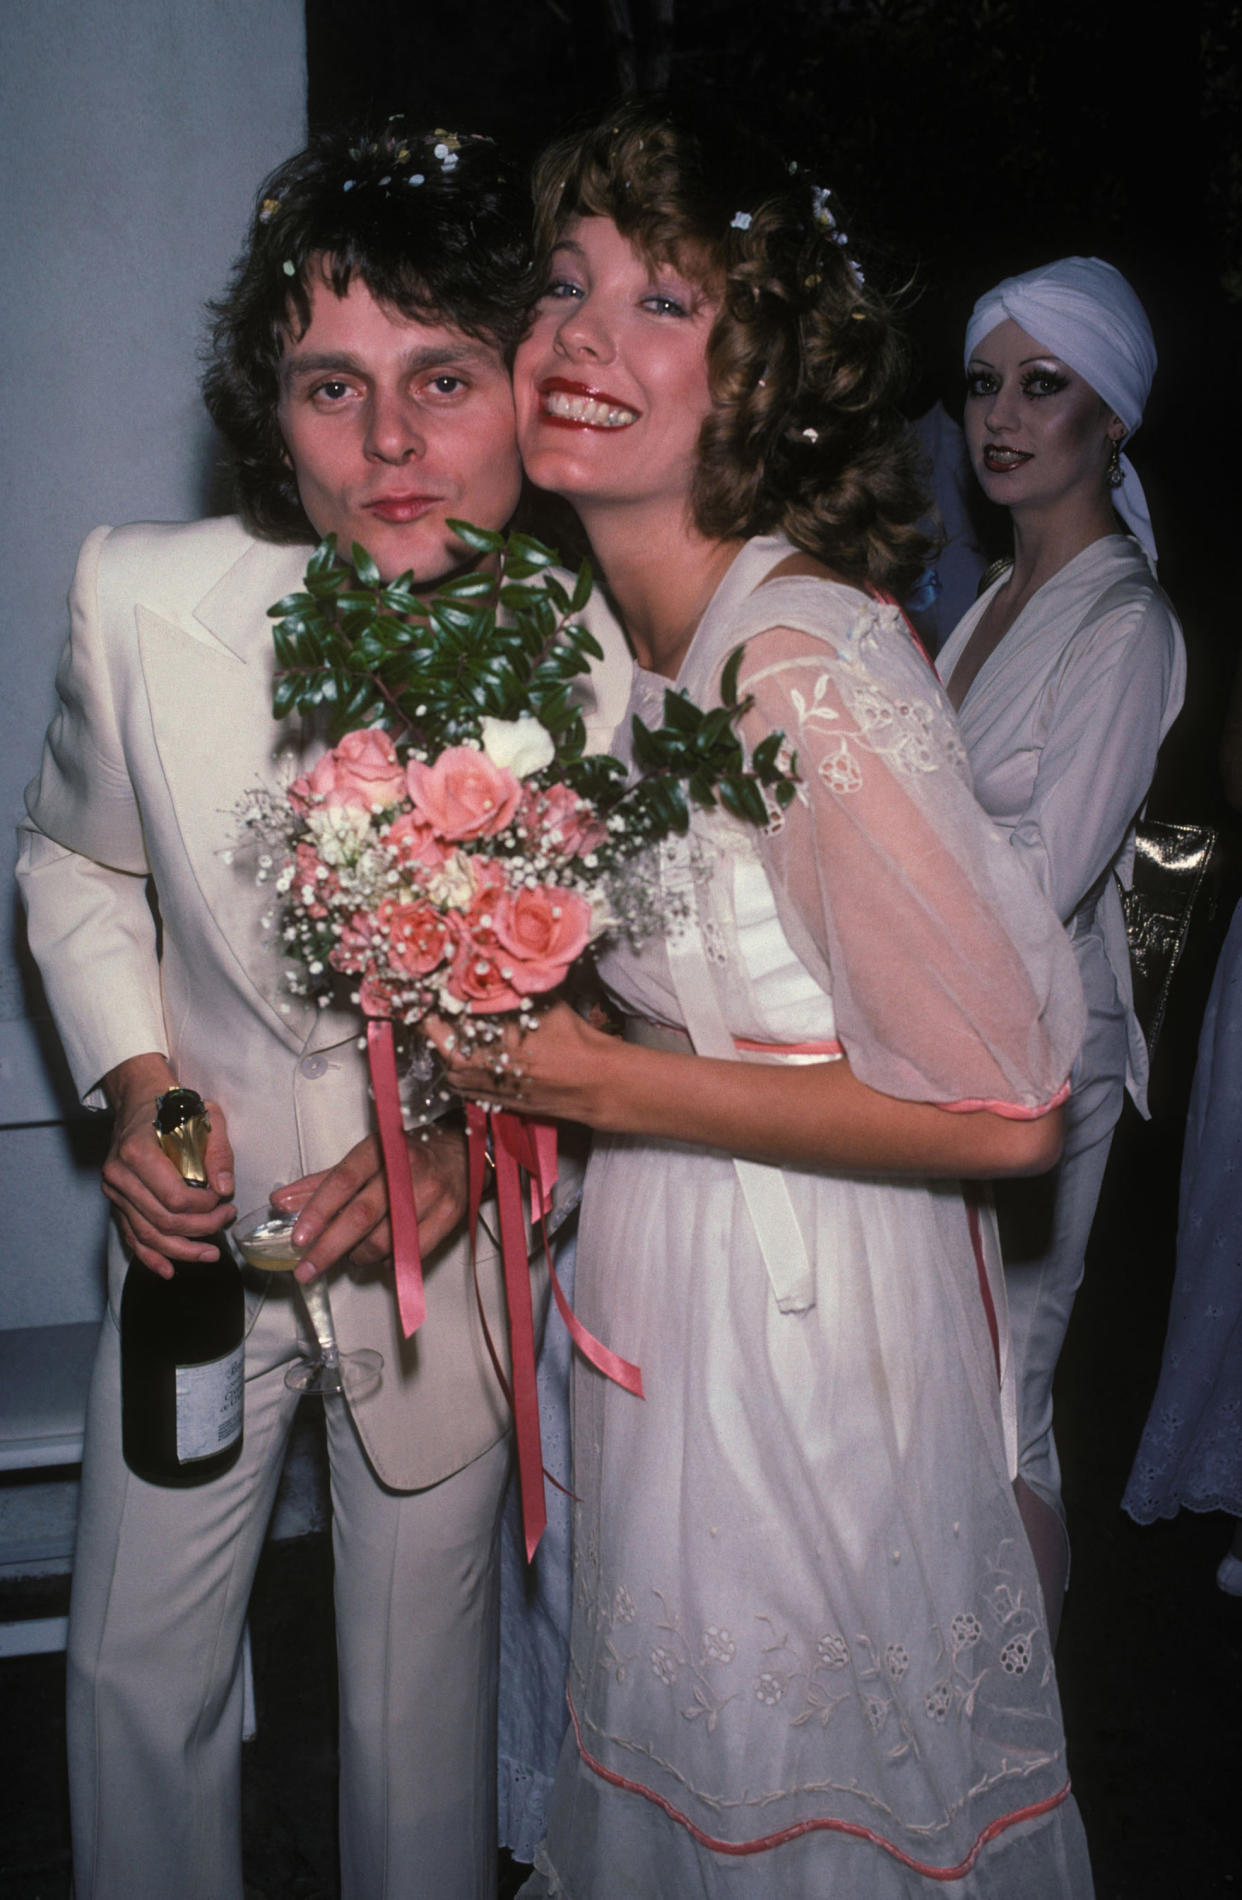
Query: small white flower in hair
(741, 220)
(820, 195)
(810, 435)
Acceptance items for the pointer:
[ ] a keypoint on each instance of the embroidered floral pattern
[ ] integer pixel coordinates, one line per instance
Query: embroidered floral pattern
(897, 1690)
(967, 1629)
(939, 1700)
(665, 1664)
(896, 1661)
(1016, 1655)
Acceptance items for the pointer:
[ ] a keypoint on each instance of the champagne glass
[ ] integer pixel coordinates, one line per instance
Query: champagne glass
(264, 1239)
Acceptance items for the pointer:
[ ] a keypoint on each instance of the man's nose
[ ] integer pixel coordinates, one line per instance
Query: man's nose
(395, 431)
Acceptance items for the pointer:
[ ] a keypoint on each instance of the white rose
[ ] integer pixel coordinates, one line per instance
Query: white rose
(340, 832)
(603, 917)
(451, 887)
(520, 746)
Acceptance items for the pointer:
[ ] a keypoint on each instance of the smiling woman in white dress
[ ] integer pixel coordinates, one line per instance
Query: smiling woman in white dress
(1067, 673)
(808, 1653)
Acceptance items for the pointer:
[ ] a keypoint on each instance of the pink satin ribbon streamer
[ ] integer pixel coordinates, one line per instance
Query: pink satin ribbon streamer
(523, 1145)
(407, 1258)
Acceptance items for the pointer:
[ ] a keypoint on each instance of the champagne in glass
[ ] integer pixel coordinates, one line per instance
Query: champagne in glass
(265, 1240)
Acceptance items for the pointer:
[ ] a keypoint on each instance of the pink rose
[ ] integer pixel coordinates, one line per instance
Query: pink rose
(564, 824)
(354, 949)
(482, 969)
(413, 841)
(463, 795)
(375, 998)
(417, 936)
(543, 930)
(359, 773)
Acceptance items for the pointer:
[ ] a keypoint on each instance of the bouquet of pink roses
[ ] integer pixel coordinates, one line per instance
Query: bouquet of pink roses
(456, 850)
(461, 885)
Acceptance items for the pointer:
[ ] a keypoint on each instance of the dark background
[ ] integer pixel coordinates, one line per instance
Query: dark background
(967, 139)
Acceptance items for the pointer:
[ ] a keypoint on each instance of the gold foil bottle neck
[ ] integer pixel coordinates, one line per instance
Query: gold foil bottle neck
(182, 1126)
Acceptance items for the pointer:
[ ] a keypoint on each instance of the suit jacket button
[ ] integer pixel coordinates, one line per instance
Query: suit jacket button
(313, 1067)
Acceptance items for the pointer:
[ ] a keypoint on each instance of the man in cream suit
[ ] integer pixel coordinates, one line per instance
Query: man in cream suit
(360, 377)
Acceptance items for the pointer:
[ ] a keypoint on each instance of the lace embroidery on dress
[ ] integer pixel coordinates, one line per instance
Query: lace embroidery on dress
(913, 734)
(903, 1689)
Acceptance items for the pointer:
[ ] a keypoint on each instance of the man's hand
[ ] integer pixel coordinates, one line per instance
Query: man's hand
(343, 1211)
(162, 1218)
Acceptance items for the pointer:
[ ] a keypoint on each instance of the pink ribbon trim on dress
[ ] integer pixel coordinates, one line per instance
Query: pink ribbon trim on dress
(1012, 1111)
(407, 1258)
(820, 1825)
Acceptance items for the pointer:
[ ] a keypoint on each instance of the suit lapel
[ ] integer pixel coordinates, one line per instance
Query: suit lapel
(209, 683)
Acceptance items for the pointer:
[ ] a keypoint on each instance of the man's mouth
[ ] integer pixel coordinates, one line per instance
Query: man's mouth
(577, 407)
(399, 508)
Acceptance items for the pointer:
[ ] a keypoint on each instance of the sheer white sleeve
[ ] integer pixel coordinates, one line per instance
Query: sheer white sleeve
(951, 977)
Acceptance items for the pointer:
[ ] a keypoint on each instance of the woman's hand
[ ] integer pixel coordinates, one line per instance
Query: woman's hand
(559, 1070)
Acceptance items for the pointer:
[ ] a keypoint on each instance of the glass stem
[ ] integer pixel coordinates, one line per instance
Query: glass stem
(315, 1298)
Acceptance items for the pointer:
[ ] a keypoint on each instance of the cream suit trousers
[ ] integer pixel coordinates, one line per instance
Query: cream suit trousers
(161, 1583)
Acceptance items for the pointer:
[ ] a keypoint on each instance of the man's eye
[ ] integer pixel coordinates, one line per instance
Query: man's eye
(447, 384)
(332, 390)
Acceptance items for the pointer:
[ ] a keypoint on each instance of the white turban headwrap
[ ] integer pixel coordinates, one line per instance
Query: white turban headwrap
(1085, 312)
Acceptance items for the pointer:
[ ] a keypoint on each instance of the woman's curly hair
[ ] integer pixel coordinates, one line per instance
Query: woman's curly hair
(434, 225)
(804, 361)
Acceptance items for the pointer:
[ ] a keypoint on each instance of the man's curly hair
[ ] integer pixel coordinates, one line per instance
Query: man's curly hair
(434, 225)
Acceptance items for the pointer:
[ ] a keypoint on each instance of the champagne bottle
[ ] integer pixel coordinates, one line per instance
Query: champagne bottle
(182, 1340)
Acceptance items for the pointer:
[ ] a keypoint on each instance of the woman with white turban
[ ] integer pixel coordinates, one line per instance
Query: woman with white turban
(1067, 673)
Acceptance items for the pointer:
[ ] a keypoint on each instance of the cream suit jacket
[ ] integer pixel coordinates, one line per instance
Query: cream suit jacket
(163, 729)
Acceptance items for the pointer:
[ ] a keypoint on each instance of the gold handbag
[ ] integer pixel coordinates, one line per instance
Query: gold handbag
(1170, 863)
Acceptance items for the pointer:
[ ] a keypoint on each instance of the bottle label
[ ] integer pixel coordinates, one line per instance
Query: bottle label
(209, 1406)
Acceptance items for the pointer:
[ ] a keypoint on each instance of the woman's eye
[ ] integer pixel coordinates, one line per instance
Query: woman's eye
(664, 305)
(1044, 382)
(563, 289)
(980, 382)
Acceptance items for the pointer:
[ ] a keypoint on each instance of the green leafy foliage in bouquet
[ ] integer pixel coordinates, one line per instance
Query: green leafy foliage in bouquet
(505, 642)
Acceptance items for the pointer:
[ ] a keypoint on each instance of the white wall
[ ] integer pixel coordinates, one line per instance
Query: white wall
(133, 134)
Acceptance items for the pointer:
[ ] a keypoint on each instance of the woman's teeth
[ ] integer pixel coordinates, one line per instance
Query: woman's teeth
(599, 415)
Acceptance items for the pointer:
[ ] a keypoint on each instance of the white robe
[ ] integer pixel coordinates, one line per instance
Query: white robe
(1062, 724)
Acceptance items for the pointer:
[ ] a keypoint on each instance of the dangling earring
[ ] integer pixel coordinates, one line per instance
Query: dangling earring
(1116, 474)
